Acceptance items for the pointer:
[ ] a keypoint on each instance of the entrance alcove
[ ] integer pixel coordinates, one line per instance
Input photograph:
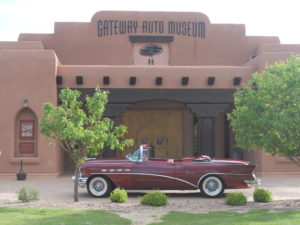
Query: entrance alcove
(166, 126)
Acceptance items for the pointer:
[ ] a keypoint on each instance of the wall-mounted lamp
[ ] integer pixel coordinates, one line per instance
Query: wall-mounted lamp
(184, 80)
(237, 81)
(210, 81)
(25, 102)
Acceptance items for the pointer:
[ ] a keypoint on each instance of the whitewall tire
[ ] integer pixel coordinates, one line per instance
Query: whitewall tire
(212, 186)
(99, 187)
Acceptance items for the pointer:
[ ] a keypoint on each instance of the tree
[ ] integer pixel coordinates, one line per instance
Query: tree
(81, 128)
(267, 111)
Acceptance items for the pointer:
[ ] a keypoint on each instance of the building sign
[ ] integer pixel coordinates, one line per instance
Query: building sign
(27, 129)
(119, 27)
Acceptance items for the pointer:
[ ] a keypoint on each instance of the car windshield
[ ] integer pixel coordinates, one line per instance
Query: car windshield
(139, 155)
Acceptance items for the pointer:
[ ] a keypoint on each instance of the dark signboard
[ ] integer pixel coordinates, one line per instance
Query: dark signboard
(26, 147)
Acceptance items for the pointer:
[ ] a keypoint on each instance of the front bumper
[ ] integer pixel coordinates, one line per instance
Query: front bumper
(253, 183)
(81, 181)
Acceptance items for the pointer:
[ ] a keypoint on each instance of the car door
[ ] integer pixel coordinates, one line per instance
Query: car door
(192, 171)
(154, 174)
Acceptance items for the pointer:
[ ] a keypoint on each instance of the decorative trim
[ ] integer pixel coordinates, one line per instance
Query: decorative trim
(155, 175)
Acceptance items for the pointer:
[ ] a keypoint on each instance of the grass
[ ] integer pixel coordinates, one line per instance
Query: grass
(253, 217)
(26, 216)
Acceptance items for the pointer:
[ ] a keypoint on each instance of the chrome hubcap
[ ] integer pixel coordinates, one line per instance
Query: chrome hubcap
(98, 186)
(212, 185)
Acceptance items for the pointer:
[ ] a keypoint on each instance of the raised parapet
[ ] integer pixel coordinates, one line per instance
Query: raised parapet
(21, 45)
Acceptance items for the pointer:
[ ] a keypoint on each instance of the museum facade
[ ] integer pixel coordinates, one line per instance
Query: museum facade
(171, 78)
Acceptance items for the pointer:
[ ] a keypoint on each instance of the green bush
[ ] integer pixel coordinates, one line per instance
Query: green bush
(155, 198)
(237, 198)
(119, 195)
(27, 194)
(262, 195)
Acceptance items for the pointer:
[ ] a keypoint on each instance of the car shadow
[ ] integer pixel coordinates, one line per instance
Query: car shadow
(170, 194)
(174, 194)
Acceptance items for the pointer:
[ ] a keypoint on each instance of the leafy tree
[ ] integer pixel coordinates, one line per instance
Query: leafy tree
(267, 111)
(81, 128)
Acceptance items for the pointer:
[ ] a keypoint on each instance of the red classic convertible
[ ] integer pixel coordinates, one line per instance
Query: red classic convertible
(138, 172)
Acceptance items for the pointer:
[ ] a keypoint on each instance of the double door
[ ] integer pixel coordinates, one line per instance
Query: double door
(160, 129)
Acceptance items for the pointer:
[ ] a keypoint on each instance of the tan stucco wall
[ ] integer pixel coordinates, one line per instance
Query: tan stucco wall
(26, 74)
(79, 43)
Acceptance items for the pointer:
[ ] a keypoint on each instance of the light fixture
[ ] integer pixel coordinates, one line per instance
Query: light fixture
(184, 80)
(25, 102)
(210, 81)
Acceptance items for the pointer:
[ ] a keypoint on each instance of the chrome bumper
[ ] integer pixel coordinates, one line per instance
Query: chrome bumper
(253, 183)
(81, 181)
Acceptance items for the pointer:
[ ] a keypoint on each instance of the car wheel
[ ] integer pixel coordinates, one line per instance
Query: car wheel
(212, 186)
(99, 187)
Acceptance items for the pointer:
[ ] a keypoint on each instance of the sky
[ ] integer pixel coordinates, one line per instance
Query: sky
(262, 17)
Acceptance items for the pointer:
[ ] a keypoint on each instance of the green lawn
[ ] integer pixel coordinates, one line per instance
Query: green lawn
(253, 217)
(27, 216)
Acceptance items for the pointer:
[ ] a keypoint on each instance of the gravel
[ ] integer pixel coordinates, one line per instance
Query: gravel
(143, 215)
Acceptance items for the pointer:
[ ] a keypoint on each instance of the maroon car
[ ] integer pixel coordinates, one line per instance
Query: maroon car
(139, 172)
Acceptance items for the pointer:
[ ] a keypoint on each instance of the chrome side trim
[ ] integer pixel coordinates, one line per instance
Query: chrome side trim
(155, 175)
(207, 174)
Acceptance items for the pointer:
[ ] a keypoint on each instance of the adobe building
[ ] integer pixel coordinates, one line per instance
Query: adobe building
(171, 78)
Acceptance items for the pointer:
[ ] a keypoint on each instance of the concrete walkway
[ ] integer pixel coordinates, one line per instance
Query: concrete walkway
(61, 189)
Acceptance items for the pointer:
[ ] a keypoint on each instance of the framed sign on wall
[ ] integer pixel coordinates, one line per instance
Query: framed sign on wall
(27, 130)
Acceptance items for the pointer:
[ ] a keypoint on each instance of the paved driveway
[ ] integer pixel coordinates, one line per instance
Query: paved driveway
(61, 189)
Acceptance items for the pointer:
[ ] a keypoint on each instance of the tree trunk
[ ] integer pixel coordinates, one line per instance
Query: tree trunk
(76, 183)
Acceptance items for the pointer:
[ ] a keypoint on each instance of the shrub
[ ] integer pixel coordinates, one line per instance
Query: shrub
(262, 195)
(119, 195)
(27, 194)
(237, 198)
(155, 198)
